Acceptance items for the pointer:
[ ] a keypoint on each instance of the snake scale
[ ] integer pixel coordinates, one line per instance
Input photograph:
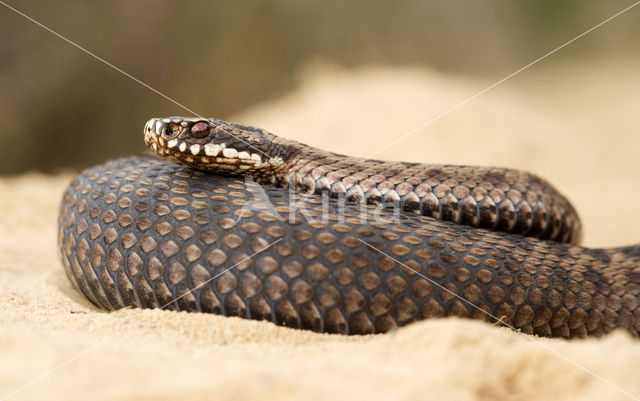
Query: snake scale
(327, 242)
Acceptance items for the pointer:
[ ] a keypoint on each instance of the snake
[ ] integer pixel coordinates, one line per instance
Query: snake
(230, 219)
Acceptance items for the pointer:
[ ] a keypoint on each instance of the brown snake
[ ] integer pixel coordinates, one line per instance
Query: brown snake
(151, 233)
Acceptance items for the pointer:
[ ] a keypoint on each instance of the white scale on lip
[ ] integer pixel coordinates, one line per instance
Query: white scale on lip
(230, 153)
(211, 149)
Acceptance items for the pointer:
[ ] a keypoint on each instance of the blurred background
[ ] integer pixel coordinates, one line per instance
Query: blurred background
(352, 77)
(61, 108)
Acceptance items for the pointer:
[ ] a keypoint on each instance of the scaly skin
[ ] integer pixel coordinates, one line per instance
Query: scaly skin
(487, 197)
(147, 233)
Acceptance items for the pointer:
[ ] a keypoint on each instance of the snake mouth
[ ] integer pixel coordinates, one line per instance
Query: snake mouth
(198, 143)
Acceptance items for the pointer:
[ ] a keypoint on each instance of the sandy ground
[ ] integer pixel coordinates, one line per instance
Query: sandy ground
(575, 125)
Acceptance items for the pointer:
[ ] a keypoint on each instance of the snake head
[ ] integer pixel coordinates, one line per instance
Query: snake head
(216, 145)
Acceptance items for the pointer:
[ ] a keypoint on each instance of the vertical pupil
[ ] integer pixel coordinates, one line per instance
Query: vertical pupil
(199, 130)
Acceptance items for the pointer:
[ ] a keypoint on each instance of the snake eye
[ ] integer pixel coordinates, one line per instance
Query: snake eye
(200, 130)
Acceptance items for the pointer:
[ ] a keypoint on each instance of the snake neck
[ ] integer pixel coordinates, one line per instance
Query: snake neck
(497, 199)
(493, 198)
(312, 170)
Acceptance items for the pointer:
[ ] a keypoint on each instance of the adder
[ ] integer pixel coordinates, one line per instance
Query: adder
(236, 221)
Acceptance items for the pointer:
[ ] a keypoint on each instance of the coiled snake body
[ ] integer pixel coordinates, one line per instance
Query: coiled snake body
(151, 233)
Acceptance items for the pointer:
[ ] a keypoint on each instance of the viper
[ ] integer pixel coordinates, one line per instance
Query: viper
(234, 220)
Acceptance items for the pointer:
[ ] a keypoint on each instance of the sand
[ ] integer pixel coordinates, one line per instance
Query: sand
(567, 124)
